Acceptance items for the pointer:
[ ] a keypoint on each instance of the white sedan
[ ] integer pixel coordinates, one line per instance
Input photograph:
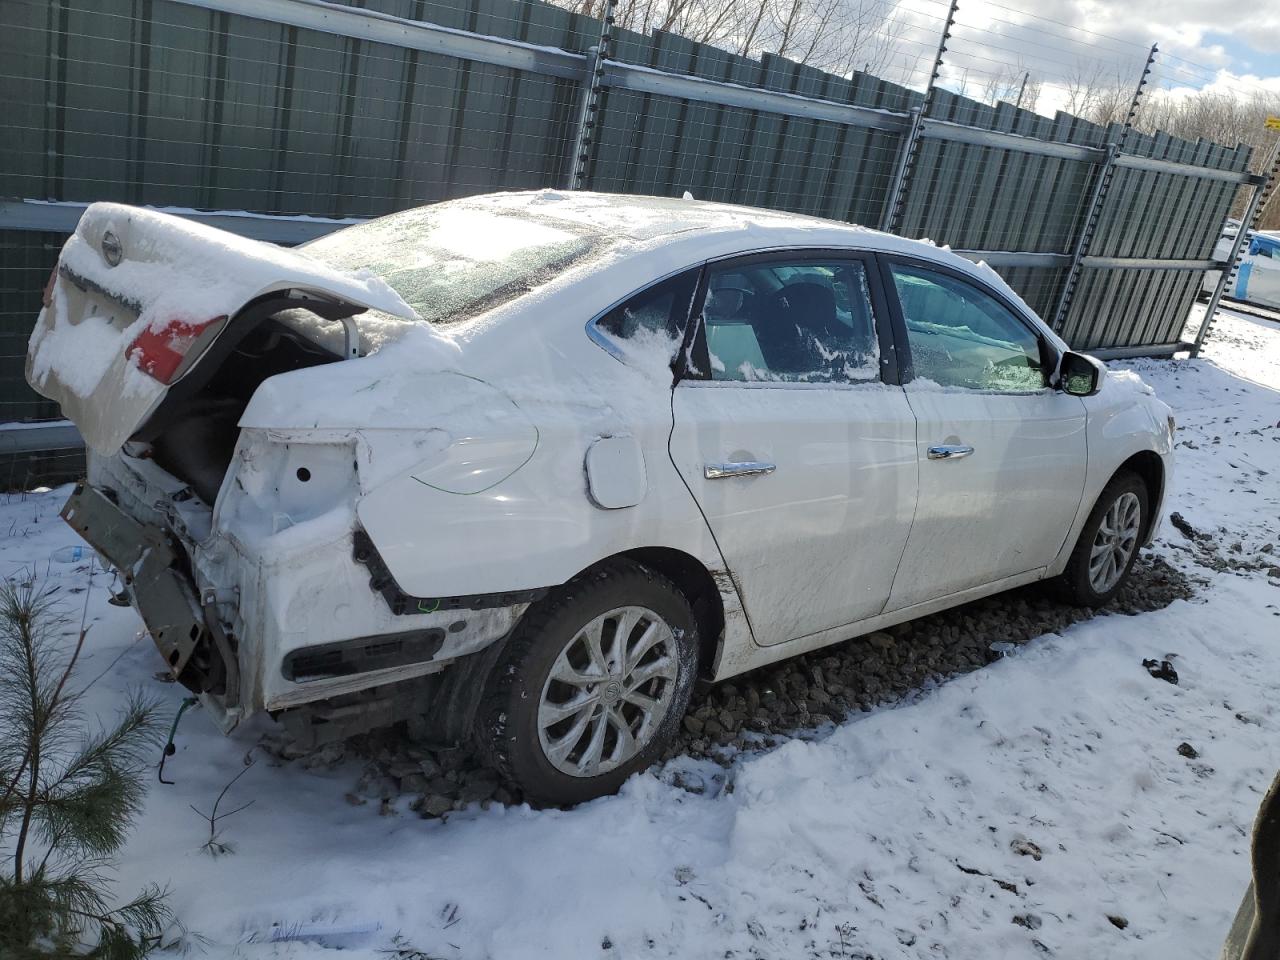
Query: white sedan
(521, 468)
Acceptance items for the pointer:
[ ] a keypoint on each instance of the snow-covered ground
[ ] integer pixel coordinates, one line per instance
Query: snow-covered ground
(1011, 812)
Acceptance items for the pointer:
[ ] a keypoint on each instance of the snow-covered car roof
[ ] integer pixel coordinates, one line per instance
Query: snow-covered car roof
(655, 219)
(718, 229)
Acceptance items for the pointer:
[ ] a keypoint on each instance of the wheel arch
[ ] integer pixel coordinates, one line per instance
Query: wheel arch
(1149, 467)
(700, 588)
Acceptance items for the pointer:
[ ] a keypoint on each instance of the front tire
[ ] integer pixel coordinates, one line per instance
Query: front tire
(1108, 546)
(592, 685)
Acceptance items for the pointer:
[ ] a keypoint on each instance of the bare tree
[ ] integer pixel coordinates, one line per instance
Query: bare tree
(1014, 83)
(834, 35)
(1222, 116)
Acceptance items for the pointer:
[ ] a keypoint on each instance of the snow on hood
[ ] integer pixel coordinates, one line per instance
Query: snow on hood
(1128, 381)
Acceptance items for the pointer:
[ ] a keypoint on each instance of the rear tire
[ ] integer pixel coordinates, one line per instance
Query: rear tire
(1108, 546)
(591, 687)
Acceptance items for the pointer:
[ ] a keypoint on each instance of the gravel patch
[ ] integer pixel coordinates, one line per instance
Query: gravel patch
(801, 697)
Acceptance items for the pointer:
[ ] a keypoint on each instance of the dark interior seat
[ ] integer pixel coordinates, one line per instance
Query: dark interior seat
(792, 322)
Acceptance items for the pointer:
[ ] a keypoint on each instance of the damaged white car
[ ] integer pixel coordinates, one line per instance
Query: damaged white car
(523, 468)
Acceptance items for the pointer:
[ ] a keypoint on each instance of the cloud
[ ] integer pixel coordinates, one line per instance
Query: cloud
(1204, 44)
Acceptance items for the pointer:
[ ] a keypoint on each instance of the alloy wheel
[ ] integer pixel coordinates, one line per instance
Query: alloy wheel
(1115, 542)
(607, 692)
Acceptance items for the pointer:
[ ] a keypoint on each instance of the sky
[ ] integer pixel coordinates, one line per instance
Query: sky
(1203, 43)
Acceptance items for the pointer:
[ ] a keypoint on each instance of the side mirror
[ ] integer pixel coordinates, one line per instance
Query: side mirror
(1079, 375)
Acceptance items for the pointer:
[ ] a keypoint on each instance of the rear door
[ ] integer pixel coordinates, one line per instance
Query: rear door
(1001, 456)
(795, 440)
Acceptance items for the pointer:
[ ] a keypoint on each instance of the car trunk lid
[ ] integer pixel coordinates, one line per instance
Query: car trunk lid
(137, 298)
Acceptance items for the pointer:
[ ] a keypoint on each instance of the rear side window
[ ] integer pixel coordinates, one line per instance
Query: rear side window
(806, 321)
(659, 311)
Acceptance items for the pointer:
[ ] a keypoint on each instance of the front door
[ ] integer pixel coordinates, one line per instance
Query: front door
(800, 457)
(1001, 456)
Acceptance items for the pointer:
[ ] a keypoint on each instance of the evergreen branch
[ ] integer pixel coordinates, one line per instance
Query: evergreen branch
(121, 747)
(79, 800)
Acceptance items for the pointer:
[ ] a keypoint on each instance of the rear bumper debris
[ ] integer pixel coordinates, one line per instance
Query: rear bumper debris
(151, 566)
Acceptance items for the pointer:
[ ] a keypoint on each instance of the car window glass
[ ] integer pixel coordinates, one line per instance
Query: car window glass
(659, 311)
(452, 261)
(801, 321)
(963, 337)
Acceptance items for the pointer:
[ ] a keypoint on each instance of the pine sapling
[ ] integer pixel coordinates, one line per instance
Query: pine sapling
(68, 795)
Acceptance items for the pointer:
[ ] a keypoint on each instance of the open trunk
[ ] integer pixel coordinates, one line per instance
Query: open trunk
(192, 433)
(160, 329)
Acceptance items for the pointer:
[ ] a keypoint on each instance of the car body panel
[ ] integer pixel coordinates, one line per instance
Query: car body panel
(1027, 469)
(1124, 419)
(815, 543)
(463, 454)
(1257, 277)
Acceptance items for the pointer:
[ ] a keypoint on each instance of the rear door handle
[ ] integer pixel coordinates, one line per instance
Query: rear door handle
(950, 451)
(745, 468)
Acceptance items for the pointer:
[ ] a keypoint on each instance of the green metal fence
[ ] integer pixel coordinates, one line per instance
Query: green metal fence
(288, 107)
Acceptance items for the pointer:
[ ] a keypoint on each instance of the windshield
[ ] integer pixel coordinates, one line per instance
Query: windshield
(451, 261)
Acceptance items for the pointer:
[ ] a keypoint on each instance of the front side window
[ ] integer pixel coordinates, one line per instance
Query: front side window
(807, 320)
(963, 337)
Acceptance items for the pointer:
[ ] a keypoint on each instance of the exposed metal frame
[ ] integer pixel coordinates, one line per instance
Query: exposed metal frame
(959, 133)
(1016, 258)
(1134, 162)
(1125, 353)
(907, 155)
(360, 24)
(589, 103)
(1261, 194)
(1093, 212)
(1049, 261)
(1147, 263)
(627, 76)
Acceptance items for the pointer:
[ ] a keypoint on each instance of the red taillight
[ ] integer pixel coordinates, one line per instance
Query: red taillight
(48, 287)
(160, 353)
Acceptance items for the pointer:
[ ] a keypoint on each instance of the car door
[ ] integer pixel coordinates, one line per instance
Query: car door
(1001, 456)
(792, 435)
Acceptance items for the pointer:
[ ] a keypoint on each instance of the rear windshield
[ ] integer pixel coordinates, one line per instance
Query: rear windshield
(451, 262)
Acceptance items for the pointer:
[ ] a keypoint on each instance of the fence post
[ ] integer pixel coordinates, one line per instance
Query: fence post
(1248, 222)
(589, 104)
(1101, 185)
(907, 155)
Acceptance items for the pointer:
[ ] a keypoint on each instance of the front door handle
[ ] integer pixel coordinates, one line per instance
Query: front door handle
(746, 468)
(950, 451)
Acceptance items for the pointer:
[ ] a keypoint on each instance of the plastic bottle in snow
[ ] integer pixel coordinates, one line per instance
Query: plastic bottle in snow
(73, 554)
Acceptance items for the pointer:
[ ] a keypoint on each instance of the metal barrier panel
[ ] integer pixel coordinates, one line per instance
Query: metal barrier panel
(356, 109)
(26, 258)
(1152, 213)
